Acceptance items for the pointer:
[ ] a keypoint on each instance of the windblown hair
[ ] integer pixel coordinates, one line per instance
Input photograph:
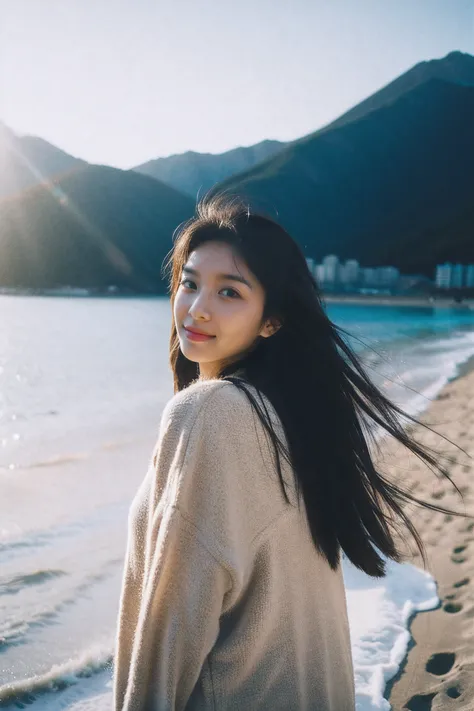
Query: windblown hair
(326, 402)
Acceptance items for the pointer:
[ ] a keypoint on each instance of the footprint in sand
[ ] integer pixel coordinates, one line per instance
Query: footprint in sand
(457, 557)
(452, 607)
(461, 583)
(441, 663)
(454, 692)
(420, 702)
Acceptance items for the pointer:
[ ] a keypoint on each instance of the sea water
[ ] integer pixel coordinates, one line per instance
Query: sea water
(83, 382)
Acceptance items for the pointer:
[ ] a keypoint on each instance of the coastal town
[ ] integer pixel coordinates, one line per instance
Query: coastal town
(350, 277)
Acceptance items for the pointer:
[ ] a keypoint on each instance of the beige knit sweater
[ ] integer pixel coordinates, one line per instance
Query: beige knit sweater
(225, 602)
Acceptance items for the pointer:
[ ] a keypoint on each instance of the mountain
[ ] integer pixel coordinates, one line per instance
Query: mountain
(195, 173)
(97, 226)
(455, 68)
(27, 160)
(390, 185)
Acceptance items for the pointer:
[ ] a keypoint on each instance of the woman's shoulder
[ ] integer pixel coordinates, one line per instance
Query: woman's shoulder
(212, 396)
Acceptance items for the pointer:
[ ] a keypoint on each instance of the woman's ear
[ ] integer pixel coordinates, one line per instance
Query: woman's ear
(270, 328)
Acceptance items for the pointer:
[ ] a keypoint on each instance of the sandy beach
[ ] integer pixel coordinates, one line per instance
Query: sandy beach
(439, 670)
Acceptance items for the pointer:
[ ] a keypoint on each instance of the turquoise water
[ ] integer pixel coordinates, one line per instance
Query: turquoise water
(410, 351)
(383, 323)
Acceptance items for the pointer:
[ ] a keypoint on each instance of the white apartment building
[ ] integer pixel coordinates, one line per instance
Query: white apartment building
(443, 275)
(331, 269)
(350, 272)
(319, 272)
(331, 273)
(454, 276)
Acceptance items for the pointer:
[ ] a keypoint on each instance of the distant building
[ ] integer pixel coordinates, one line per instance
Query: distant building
(332, 275)
(388, 276)
(369, 276)
(457, 276)
(331, 270)
(454, 276)
(443, 275)
(350, 272)
(319, 272)
(470, 276)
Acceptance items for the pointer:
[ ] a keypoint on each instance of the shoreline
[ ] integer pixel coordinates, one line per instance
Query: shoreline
(438, 670)
(326, 297)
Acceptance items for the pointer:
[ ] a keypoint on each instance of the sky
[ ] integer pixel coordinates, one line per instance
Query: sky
(120, 82)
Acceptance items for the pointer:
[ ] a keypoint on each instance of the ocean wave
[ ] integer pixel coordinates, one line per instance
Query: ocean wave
(15, 632)
(14, 585)
(97, 658)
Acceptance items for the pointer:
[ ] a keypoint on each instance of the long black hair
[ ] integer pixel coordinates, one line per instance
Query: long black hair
(327, 404)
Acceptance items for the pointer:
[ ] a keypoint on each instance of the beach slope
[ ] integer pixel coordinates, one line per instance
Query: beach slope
(439, 670)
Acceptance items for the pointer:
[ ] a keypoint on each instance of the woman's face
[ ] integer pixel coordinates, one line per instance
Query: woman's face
(228, 309)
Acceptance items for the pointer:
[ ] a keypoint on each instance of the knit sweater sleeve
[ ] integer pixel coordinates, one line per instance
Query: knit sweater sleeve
(179, 568)
(170, 621)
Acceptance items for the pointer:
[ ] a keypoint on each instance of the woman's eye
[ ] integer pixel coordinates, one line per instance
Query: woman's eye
(188, 281)
(233, 291)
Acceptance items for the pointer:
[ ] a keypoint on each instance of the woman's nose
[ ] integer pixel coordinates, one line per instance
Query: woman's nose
(199, 307)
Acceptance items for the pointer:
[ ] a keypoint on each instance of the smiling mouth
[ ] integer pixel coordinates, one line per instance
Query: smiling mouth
(199, 333)
(196, 335)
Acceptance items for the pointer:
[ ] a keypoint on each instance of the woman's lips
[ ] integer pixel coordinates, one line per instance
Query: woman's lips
(196, 336)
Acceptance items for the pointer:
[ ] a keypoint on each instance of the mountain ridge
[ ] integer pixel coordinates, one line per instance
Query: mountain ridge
(28, 160)
(456, 67)
(195, 173)
(338, 160)
(96, 227)
(391, 185)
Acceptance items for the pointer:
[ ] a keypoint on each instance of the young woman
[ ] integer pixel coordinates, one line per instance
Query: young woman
(233, 595)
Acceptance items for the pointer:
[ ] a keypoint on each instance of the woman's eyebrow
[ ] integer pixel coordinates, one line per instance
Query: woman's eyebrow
(233, 277)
